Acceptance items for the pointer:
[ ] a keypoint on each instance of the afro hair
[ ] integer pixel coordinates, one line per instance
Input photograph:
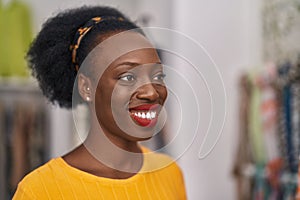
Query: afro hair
(50, 58)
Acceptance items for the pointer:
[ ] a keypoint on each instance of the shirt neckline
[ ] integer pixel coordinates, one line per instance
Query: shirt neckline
(88, 176)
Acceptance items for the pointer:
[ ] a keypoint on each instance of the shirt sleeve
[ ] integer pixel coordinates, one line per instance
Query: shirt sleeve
(23, 194)
(181, 186)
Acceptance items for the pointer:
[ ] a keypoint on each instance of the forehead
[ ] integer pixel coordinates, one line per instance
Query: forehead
(140, 57)
(122, 46)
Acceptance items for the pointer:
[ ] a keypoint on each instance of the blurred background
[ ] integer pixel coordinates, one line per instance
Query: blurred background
(254, 43)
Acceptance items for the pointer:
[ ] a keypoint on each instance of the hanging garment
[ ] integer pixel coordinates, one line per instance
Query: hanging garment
(290, 149)
(2, 154)
(22, 123)
(28, 141)
(295, 123)
(268, 109)
(262, 189)
(15, 37)
(295, 107)
(2, 34)
(298, 187)
(289, 127)
(269, 113)
(274, 127)
(244, 158)
(274, 169)
(255, 123)
(296, 119)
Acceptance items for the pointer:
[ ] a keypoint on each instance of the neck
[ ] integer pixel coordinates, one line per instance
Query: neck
(113, 151)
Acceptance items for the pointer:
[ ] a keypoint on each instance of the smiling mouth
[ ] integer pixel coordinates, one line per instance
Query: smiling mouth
(145, 115)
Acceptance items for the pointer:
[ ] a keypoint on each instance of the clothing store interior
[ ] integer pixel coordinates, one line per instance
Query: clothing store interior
(233, 108)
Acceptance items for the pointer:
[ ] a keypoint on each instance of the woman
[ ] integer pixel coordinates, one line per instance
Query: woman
(117, 72)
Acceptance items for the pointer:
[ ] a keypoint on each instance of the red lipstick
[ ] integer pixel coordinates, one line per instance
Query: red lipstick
(145, 115)
(146, 107)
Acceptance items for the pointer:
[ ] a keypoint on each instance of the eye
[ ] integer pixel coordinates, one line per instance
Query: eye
(159, 77)
(127, 77)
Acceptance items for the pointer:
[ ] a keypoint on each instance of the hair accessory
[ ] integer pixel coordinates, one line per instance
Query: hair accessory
(82, 31)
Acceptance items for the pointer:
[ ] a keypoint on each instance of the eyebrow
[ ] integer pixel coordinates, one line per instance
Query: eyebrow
(134, 64)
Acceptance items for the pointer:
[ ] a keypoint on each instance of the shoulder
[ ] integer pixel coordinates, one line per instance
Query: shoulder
(167, 170)
(34, 182)
(155, 161)
(42, 172)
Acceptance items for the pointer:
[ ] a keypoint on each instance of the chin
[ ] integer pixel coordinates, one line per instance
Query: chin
(139, 134)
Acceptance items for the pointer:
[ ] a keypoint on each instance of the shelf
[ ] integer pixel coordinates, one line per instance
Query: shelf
(19, 86)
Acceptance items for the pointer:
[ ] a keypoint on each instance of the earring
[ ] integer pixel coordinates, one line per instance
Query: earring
(88, 99)
(88, 89)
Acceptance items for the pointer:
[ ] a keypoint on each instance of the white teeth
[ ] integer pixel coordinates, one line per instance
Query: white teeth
(145, 115)
(153, 115)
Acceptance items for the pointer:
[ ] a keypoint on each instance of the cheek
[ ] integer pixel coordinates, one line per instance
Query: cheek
(104, 92)
(119, 101)
(163, 92)
(103, 101)
(111, 106)
(102, 97)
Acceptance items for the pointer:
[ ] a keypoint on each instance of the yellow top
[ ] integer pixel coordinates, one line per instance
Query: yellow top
(160, 178)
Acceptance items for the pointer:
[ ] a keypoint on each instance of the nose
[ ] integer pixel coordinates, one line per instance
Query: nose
(147, 92)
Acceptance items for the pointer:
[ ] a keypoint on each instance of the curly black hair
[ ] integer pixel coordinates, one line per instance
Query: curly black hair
(50, 58)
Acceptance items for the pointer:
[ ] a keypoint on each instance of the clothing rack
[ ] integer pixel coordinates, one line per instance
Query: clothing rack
(267, 159)
(23, 131)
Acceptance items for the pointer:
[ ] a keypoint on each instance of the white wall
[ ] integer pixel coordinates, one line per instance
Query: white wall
(230, 32)
(42, 9)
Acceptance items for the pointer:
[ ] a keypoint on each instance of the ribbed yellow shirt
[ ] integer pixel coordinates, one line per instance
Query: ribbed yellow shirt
(160, 178)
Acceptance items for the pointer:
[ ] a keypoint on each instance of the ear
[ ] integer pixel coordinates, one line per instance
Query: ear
(85, 87)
